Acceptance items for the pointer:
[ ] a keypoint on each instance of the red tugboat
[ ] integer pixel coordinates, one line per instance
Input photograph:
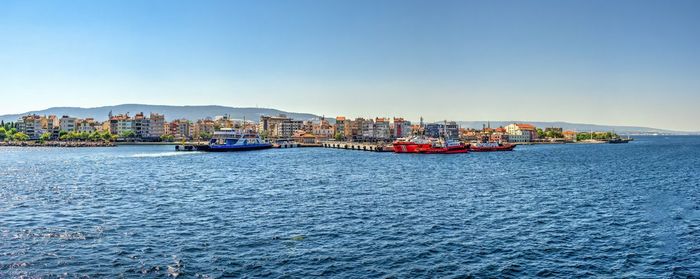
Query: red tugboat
(426, 146)
(445, 147)
(423, 145)
(490, 146)
(411, 145)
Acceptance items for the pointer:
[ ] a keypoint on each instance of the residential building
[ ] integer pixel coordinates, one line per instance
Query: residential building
(436, 130)
(402, 128)
(88, 125)
(382, 128)
(53, 126)
(303, 137)
(203, 126)
(32, 125)
(223, 121)
(519, 129)
(180, 129)
(353, 128)
(323, 129)
(417, 129)
(119, 124)
(278, 126)
(340, 125)
(286, 128)
(368, 130)
(569, 136)
(499, 135)
(140, 125)
(67, 123)
(156, 123)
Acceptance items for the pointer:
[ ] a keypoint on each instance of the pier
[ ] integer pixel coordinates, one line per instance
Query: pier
(295, 145)
(357, 146)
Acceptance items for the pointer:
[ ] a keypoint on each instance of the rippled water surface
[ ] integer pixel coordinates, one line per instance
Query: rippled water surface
(628, 210)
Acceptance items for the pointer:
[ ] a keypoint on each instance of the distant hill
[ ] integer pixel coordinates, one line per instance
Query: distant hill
(170, 112)
(632, 130)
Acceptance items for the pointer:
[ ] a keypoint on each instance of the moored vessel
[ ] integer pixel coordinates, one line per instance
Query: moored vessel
(445, 147)
(619, 140)
(490, 146)
(411, 145)
(227, 140)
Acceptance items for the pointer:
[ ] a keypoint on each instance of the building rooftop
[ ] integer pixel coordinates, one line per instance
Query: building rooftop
(523, 126)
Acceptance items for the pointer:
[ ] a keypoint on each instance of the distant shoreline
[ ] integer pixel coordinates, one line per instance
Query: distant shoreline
(146, 143)
(72, 144)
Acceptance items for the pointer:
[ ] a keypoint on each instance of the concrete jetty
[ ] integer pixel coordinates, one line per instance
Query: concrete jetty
(361, 146)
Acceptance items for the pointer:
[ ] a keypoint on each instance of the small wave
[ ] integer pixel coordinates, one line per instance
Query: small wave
(160, 154)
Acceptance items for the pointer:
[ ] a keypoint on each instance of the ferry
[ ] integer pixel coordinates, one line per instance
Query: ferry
(227, 140)
(490, 146)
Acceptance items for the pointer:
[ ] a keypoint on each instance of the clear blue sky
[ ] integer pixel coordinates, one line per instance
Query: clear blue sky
(605, 62)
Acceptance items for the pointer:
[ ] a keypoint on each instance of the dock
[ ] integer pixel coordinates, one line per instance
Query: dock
(360, 146)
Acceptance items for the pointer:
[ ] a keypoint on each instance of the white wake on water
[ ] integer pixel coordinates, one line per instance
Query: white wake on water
(162, 154)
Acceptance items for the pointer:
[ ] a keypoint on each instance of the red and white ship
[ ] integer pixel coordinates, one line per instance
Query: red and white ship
(411, 145)
(429, 146)
(445, 147)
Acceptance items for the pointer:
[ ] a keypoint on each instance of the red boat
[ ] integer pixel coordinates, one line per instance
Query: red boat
(411, 145)
(428, 146)
(491, 146)
(454, 149)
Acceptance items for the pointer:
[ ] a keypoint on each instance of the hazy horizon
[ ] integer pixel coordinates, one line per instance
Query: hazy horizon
(632, 63)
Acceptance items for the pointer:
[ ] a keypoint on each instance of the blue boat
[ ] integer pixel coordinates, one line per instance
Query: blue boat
(230, 140)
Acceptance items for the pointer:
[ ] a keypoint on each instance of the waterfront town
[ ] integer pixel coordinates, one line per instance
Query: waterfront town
(153, 127)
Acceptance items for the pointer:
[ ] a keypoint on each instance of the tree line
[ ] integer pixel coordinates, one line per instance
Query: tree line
(12, 134)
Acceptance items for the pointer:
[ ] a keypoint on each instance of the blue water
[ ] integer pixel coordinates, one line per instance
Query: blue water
(627, 210)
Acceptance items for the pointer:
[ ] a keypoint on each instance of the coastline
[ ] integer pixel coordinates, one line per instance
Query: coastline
(146, 143)
(114, 144)
(56, 144)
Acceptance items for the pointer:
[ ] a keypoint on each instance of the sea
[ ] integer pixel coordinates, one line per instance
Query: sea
(561, 210)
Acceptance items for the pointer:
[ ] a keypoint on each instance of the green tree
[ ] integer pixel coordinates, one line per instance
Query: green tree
(44, 137)
(127, 134)
(205, 135)
(553, 134)
(540, 133)
(3, 133)
(338, 136)
(106, 136)
(19, 136)
(167, 138)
